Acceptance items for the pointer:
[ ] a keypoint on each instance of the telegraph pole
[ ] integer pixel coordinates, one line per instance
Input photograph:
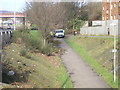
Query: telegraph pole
(115, 54)
(14, 15)
(114, 49)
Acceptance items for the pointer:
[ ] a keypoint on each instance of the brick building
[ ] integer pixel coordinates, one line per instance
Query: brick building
(110, 9)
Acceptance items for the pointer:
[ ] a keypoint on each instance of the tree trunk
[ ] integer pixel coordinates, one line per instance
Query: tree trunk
(44, 42)
(73, 27)
(90, 23)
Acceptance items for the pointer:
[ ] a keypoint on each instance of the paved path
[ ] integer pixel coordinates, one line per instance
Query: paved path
(81, 74)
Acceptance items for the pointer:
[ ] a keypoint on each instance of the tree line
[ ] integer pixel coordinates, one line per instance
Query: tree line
(52, 15)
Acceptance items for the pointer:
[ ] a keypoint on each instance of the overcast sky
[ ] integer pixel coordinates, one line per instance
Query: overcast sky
(17, 5)
(12, 5)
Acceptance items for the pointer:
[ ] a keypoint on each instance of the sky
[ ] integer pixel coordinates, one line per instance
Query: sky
(12, 5)
(18, 5)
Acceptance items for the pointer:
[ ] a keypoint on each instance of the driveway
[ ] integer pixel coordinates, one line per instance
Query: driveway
(81, 74)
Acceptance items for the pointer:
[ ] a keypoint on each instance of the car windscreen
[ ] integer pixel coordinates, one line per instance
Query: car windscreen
(58, 31)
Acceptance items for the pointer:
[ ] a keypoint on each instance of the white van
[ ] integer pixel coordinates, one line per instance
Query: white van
(59, 33)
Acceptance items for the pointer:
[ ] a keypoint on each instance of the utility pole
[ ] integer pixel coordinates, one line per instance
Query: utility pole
(14, 15)
(114, 49)
(115, 54)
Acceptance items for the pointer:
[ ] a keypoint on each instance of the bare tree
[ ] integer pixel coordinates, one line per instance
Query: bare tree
(83, 11)
(48, 16)
(94, 11)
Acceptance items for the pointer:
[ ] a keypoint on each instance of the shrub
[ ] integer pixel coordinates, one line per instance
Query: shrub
(25, 53)
(32, 42)
(76, 23)
(56, 42)
(68, 32)
(47, 49)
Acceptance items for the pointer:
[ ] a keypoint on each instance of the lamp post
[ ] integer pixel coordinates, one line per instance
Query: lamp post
(114, 49)
(115, 53)
(14, 15)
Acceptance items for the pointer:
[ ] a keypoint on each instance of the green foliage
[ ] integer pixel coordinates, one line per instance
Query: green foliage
(32, 40)
(33, 26)
(38, 44)
(40, 72)
(75, 24)
(84, 15)
(47, 49)
(24, 53)
(68, 31)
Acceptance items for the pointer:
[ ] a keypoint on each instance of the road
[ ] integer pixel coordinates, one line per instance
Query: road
(81, 74)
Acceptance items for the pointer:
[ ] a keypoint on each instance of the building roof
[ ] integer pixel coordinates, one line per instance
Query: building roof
(4, 11)
(10, 14)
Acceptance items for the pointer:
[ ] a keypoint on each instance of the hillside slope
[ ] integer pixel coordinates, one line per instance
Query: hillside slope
(33, 70)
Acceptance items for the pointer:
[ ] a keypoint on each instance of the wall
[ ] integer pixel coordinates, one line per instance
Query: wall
(94, 31)
(98, 23)
(102, 29)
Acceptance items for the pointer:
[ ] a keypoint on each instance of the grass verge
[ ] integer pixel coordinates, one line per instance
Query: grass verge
(92, 50)
(32, 69)
(38, 71)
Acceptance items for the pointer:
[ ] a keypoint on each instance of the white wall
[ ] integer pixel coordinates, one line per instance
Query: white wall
(0, 22)
(101, 28)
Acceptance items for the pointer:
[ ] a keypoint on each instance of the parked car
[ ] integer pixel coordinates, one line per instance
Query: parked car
(8, 27)
(59, 33)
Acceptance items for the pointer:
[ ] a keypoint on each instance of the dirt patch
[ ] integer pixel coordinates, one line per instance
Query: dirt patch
(51, 59)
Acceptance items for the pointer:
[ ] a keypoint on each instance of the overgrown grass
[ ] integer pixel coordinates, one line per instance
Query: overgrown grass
(33, 68)
(35, 33)
(39, 71)
(97, 53)
(33, 41)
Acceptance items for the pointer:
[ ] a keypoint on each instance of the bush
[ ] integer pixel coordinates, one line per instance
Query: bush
(47, 49)
(68, 32)
(23, 52)
(76, 23)
(35, 44)
(31, 42)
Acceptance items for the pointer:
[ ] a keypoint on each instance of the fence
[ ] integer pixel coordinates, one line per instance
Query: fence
(101, 28)
(5, 36)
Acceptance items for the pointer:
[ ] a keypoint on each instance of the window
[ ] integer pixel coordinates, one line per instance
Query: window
(103, 8)
(111, 17)
(111, 6)
(114, 17)
(103, 18)
(107, 11)
(107, 18)
(115, 5)
(119, 4)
